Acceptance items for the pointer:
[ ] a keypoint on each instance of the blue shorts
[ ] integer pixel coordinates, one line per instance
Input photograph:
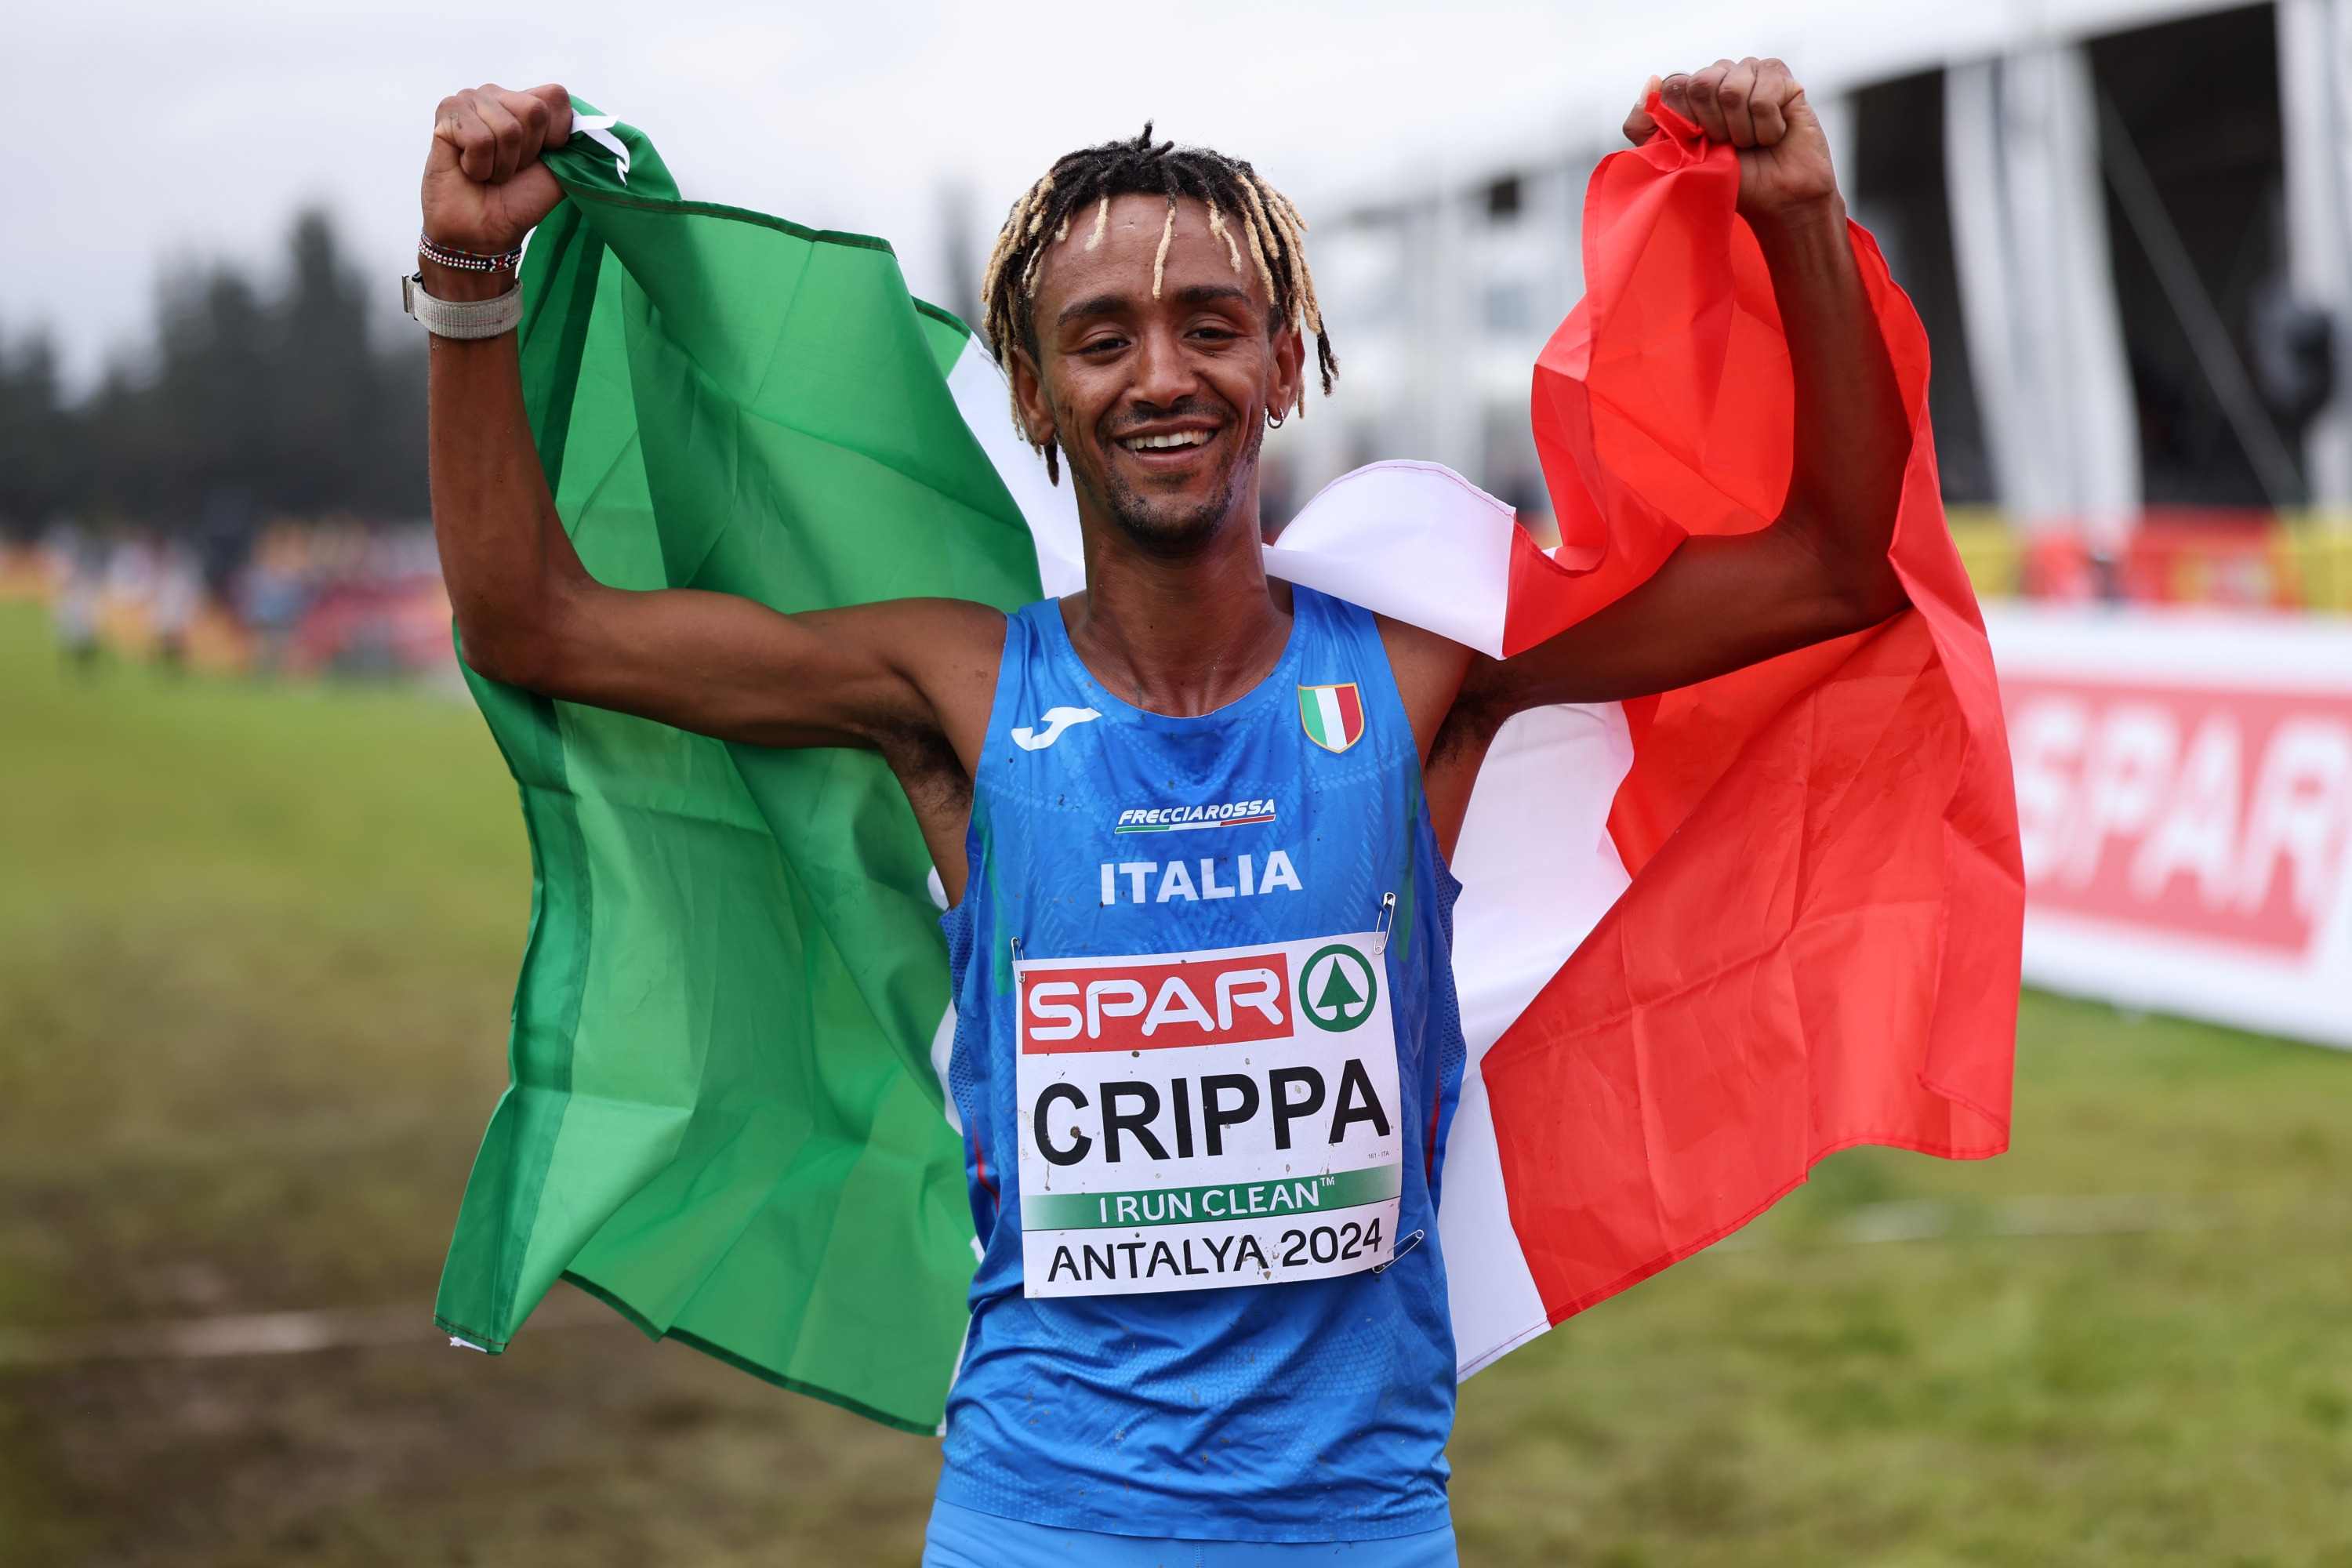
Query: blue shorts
(965, 1538)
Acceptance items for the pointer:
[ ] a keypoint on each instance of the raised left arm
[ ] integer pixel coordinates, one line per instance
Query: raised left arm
(1821, 570)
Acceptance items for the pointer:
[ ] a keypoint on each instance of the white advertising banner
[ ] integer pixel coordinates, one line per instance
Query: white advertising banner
(2184, 792)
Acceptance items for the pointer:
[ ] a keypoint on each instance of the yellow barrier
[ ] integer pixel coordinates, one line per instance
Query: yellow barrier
(1993, 554)
(2310, 551)
(21, 577)
(2315, 556)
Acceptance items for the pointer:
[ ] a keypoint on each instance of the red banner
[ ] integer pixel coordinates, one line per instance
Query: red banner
(2184, 804)
(2214, 812)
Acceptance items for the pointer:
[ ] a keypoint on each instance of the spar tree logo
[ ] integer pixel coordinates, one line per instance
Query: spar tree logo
(1338, 987)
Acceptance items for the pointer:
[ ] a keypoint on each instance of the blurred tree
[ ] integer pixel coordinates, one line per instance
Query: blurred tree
(243, 406)
(325, 385)
(37, 436)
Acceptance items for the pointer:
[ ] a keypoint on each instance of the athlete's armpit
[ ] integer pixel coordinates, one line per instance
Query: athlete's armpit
(1430, 670)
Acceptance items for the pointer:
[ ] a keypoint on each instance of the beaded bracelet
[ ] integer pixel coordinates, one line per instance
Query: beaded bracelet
(464, 260)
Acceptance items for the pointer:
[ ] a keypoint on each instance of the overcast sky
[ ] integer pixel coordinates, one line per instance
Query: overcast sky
(145, 131)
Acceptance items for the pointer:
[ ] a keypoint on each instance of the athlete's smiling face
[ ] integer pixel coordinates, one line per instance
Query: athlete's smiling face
(1158, 404)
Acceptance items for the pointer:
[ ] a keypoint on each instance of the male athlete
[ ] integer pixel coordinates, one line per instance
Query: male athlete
(1147, 303)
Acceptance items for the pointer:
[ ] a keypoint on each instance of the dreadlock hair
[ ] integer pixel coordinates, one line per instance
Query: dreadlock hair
(1235, 195)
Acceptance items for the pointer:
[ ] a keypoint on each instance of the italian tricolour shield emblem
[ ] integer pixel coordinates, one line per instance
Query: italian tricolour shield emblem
(1332, 716)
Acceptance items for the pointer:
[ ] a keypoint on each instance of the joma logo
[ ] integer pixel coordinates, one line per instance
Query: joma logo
(1057, 719)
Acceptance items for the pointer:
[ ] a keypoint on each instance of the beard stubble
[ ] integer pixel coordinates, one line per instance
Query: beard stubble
(1174, 530)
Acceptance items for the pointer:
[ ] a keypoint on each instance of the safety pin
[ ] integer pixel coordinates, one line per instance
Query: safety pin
(1382, 923)
(1410, 1242)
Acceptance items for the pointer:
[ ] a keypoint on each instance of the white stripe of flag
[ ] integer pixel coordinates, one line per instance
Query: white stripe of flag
(1335, 722)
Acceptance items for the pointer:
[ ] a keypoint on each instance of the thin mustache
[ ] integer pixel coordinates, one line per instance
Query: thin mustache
(1184, 410)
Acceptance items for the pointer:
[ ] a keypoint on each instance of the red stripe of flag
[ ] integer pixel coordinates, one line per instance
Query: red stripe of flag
(1352, 713)
(1820, 945)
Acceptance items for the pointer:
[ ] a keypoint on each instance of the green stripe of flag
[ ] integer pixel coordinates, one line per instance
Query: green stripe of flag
(722, 1117)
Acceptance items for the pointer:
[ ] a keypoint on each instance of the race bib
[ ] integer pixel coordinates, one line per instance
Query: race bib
(1190, 1120)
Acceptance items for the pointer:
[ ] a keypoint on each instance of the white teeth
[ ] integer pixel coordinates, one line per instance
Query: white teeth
(1153, 443)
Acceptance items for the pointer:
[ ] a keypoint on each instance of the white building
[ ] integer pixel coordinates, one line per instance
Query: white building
(2129, 227)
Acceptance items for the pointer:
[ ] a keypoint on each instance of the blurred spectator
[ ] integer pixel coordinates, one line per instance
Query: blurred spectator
(179, 594)
(73, 598)
(334, 597)
(273, 593)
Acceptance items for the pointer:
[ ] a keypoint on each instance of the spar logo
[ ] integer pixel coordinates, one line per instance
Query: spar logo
(2220, 814)
(1339, 987)
(1332, 716)
(1134, 1006)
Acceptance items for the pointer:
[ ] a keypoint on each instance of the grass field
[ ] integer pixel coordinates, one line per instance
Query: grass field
(255, 947)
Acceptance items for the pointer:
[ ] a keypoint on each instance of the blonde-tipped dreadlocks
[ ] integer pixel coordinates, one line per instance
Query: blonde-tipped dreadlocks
(1235, 195)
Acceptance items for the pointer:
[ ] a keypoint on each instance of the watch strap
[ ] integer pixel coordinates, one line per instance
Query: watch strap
(463, 319)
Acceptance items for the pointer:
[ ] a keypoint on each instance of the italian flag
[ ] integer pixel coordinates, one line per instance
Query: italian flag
(1704, 939)
(1333, 716)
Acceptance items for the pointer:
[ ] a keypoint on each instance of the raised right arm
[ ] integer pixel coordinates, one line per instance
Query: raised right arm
(902, 677)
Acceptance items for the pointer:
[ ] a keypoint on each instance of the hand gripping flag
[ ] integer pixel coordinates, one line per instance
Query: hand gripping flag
(726, 1116)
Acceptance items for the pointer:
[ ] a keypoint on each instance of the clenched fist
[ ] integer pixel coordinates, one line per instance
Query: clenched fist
(1758, 107)
(485, 188)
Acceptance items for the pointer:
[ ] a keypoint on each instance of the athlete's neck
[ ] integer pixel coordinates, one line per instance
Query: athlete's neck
(1182, 637)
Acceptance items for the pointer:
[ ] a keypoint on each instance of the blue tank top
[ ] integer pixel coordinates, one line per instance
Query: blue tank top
(1206, 1050)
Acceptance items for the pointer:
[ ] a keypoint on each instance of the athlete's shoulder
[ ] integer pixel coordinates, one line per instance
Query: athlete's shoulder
(1429, 670)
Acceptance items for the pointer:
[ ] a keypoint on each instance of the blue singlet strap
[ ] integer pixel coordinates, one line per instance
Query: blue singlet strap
(965, 1538)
